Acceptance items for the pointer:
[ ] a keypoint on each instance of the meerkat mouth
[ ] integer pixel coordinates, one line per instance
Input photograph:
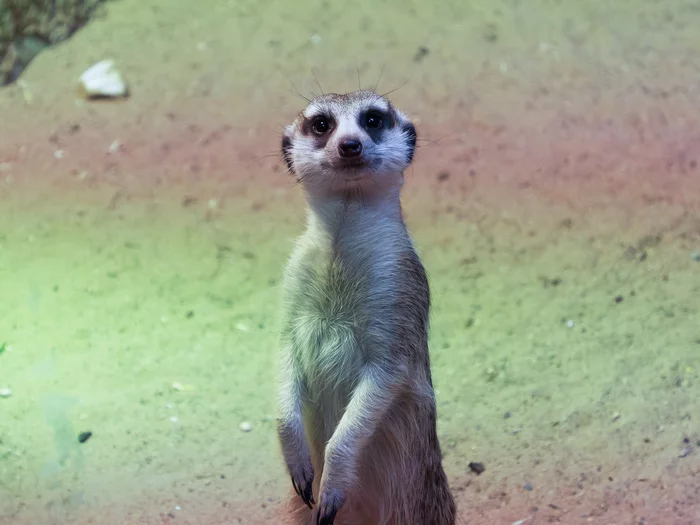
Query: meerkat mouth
(351, 164)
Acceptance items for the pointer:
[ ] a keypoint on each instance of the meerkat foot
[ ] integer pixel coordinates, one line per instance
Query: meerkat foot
(331, 501)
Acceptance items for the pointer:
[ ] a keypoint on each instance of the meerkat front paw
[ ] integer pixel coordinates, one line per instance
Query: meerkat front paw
(302, 480)
(330, 502)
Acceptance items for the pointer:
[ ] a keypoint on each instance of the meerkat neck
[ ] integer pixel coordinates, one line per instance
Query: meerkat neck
(355, 211)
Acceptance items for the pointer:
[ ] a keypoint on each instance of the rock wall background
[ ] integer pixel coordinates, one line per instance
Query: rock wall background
(29, 26)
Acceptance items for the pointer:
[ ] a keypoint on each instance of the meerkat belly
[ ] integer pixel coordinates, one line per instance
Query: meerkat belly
(331, 359)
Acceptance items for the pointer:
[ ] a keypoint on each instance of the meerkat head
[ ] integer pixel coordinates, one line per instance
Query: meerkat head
(341, 142)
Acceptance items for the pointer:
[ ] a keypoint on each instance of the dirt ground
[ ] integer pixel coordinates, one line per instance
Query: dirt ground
(555, 199)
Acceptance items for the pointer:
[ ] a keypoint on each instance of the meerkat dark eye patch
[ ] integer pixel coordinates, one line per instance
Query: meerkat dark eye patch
(318, 126)
(374, 122)
(410, 136)
(373, 119)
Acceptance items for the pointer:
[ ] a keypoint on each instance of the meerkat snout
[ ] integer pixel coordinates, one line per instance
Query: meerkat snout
(350, 148)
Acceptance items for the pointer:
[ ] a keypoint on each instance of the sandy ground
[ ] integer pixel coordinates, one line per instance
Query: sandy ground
(555, 200)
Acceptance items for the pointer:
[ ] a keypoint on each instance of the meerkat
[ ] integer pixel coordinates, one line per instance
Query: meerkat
(357, 421)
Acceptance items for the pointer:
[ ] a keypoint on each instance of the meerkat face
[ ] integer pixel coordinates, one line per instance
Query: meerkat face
(341, 141)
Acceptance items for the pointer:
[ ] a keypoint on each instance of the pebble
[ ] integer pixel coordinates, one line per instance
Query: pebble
(477, 468)
(84, 436)
(695, 256)
(528, 486)
(246, 426)
(5, 392)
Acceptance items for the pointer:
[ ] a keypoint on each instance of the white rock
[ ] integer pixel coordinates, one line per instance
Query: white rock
(5, 392)
(246, 427)
(103, 80)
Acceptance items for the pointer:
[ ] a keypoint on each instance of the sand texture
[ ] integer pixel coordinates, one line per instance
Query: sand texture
(555, 200)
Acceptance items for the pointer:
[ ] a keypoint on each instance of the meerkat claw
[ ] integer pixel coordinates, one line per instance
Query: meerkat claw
(331, 503)
(308, 496)
(305, 492)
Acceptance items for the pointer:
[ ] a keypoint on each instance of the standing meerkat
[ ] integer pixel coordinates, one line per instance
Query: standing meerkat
(357, 419)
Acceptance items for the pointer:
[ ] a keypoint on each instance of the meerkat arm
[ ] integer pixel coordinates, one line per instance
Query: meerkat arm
(290, 428)
(373, 396)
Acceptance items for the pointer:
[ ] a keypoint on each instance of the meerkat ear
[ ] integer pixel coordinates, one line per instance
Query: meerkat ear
(287, 153)
(410, 136)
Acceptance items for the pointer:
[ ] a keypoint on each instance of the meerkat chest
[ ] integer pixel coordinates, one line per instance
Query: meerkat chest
(340, 295)
(329, 313)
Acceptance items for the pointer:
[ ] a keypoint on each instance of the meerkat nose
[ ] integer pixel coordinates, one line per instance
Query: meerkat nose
(350, 148)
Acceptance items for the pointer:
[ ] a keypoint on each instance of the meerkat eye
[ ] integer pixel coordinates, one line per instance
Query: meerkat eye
(374, 120)
(320, 125)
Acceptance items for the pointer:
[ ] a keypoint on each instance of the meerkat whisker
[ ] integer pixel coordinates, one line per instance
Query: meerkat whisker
(395, 89)
(294, 91)
(317, 82)
(381, 73)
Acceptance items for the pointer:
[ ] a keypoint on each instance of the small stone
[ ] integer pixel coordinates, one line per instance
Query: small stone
(84, 436)
(102, 80)
(5, 392)
(695, 256)
(528, 486)
(685, 452)
(246, 426)
(178, 387)
(477, 468)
